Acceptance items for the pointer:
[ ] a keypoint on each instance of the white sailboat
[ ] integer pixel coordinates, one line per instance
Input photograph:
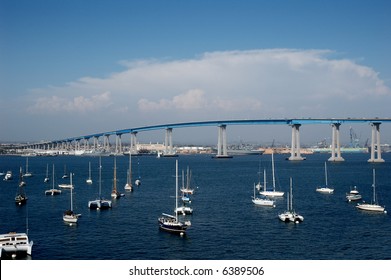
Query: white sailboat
(114, 192)
(186, 189)
(290, 215)
(272, 193)
(47, 174)
(262, 201)
(27, 174)
(99, 203)
(171, 223)
(69, 216)
(374, 205)
(89, 180)
(129, 186)
(53, 190)
(326, 188)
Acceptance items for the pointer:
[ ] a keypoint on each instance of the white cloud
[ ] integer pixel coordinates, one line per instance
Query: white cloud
(271, 83)
(79, 104)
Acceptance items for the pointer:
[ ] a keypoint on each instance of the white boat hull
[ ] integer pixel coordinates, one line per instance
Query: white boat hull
(15, 244)
(272, 193)
(325, 190)
(371, 207)
(263, 202)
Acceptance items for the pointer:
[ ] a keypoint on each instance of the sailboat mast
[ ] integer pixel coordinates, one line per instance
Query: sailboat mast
(291, 194)
(71, 193)
(100, 177)
(264, 179)
(374, 186)
(325, 172)
(53, 176)
(115, 175)
(176, 189)
(274, 179)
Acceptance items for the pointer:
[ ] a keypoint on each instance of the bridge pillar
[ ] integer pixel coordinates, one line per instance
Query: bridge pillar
(375, 144)
(94, 142)
(335, 144)
(168, 147)
(222, 142)
(133, 143)
(295, 148)
(118, 144)
(106, 143)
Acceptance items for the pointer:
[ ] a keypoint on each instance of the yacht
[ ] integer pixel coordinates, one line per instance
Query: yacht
(14, 244)
(374, 205)
(99, 203)
(272, 193)
(326, 188)
(290, 215)
(353, 195)
(53, 190)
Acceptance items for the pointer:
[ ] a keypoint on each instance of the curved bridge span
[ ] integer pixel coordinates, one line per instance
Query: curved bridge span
(222, 139)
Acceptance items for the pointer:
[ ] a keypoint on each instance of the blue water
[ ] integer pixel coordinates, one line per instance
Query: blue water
(225, 223)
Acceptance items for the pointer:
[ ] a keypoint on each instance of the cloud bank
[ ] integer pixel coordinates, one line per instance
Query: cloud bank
(268, 83)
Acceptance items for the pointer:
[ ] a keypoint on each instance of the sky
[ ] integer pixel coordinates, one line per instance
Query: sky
(72, 68)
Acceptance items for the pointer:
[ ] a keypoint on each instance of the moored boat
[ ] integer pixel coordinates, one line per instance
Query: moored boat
(14, 244)
(374, 205)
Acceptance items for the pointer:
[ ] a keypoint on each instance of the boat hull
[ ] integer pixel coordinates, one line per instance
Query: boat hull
(370, 207)
(15, 244)
(263, 202)
(325, 190)
(272, 193)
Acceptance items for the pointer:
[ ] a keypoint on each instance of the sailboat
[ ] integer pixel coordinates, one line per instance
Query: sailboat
(373, 206)
(171, 223)
(89, 180)
(27, 174)
(114, 192)
(186, 189)
(184, 209)
(273, 193)
(65, 173)
(47, 174)
(53, 190)
(290, 215)
(66, 186)
(69, 216)
(20, 197)
(325, 188)
(129, 186)
(262, 201)
(99, 203)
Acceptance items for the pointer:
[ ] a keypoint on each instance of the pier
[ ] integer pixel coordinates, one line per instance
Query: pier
(222, 127)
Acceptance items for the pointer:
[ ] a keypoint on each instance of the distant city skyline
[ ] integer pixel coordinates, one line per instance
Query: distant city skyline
(70, 68)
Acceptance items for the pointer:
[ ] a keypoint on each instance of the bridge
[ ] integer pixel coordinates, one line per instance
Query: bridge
(295, 124)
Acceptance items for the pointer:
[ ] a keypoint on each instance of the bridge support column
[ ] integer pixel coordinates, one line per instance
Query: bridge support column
(295, 148)
(222, 142)
(133, 143)
(118, 144)
(168, 147)
(94, 143)
(375, 144)
(106, 143)
(335, 144)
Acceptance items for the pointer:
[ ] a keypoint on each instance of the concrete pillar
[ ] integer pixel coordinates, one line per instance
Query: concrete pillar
(118, 144)
(133, 143)
(106, 143)
(335, 144)
(168, 146)
(295, 148)
(375, 144)
(222, 151)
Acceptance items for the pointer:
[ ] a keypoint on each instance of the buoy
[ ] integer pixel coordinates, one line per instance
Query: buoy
(181, 234)
(297, 222)
(385, 212)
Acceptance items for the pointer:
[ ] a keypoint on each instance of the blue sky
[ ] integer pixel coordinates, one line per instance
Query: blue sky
(69, 68)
